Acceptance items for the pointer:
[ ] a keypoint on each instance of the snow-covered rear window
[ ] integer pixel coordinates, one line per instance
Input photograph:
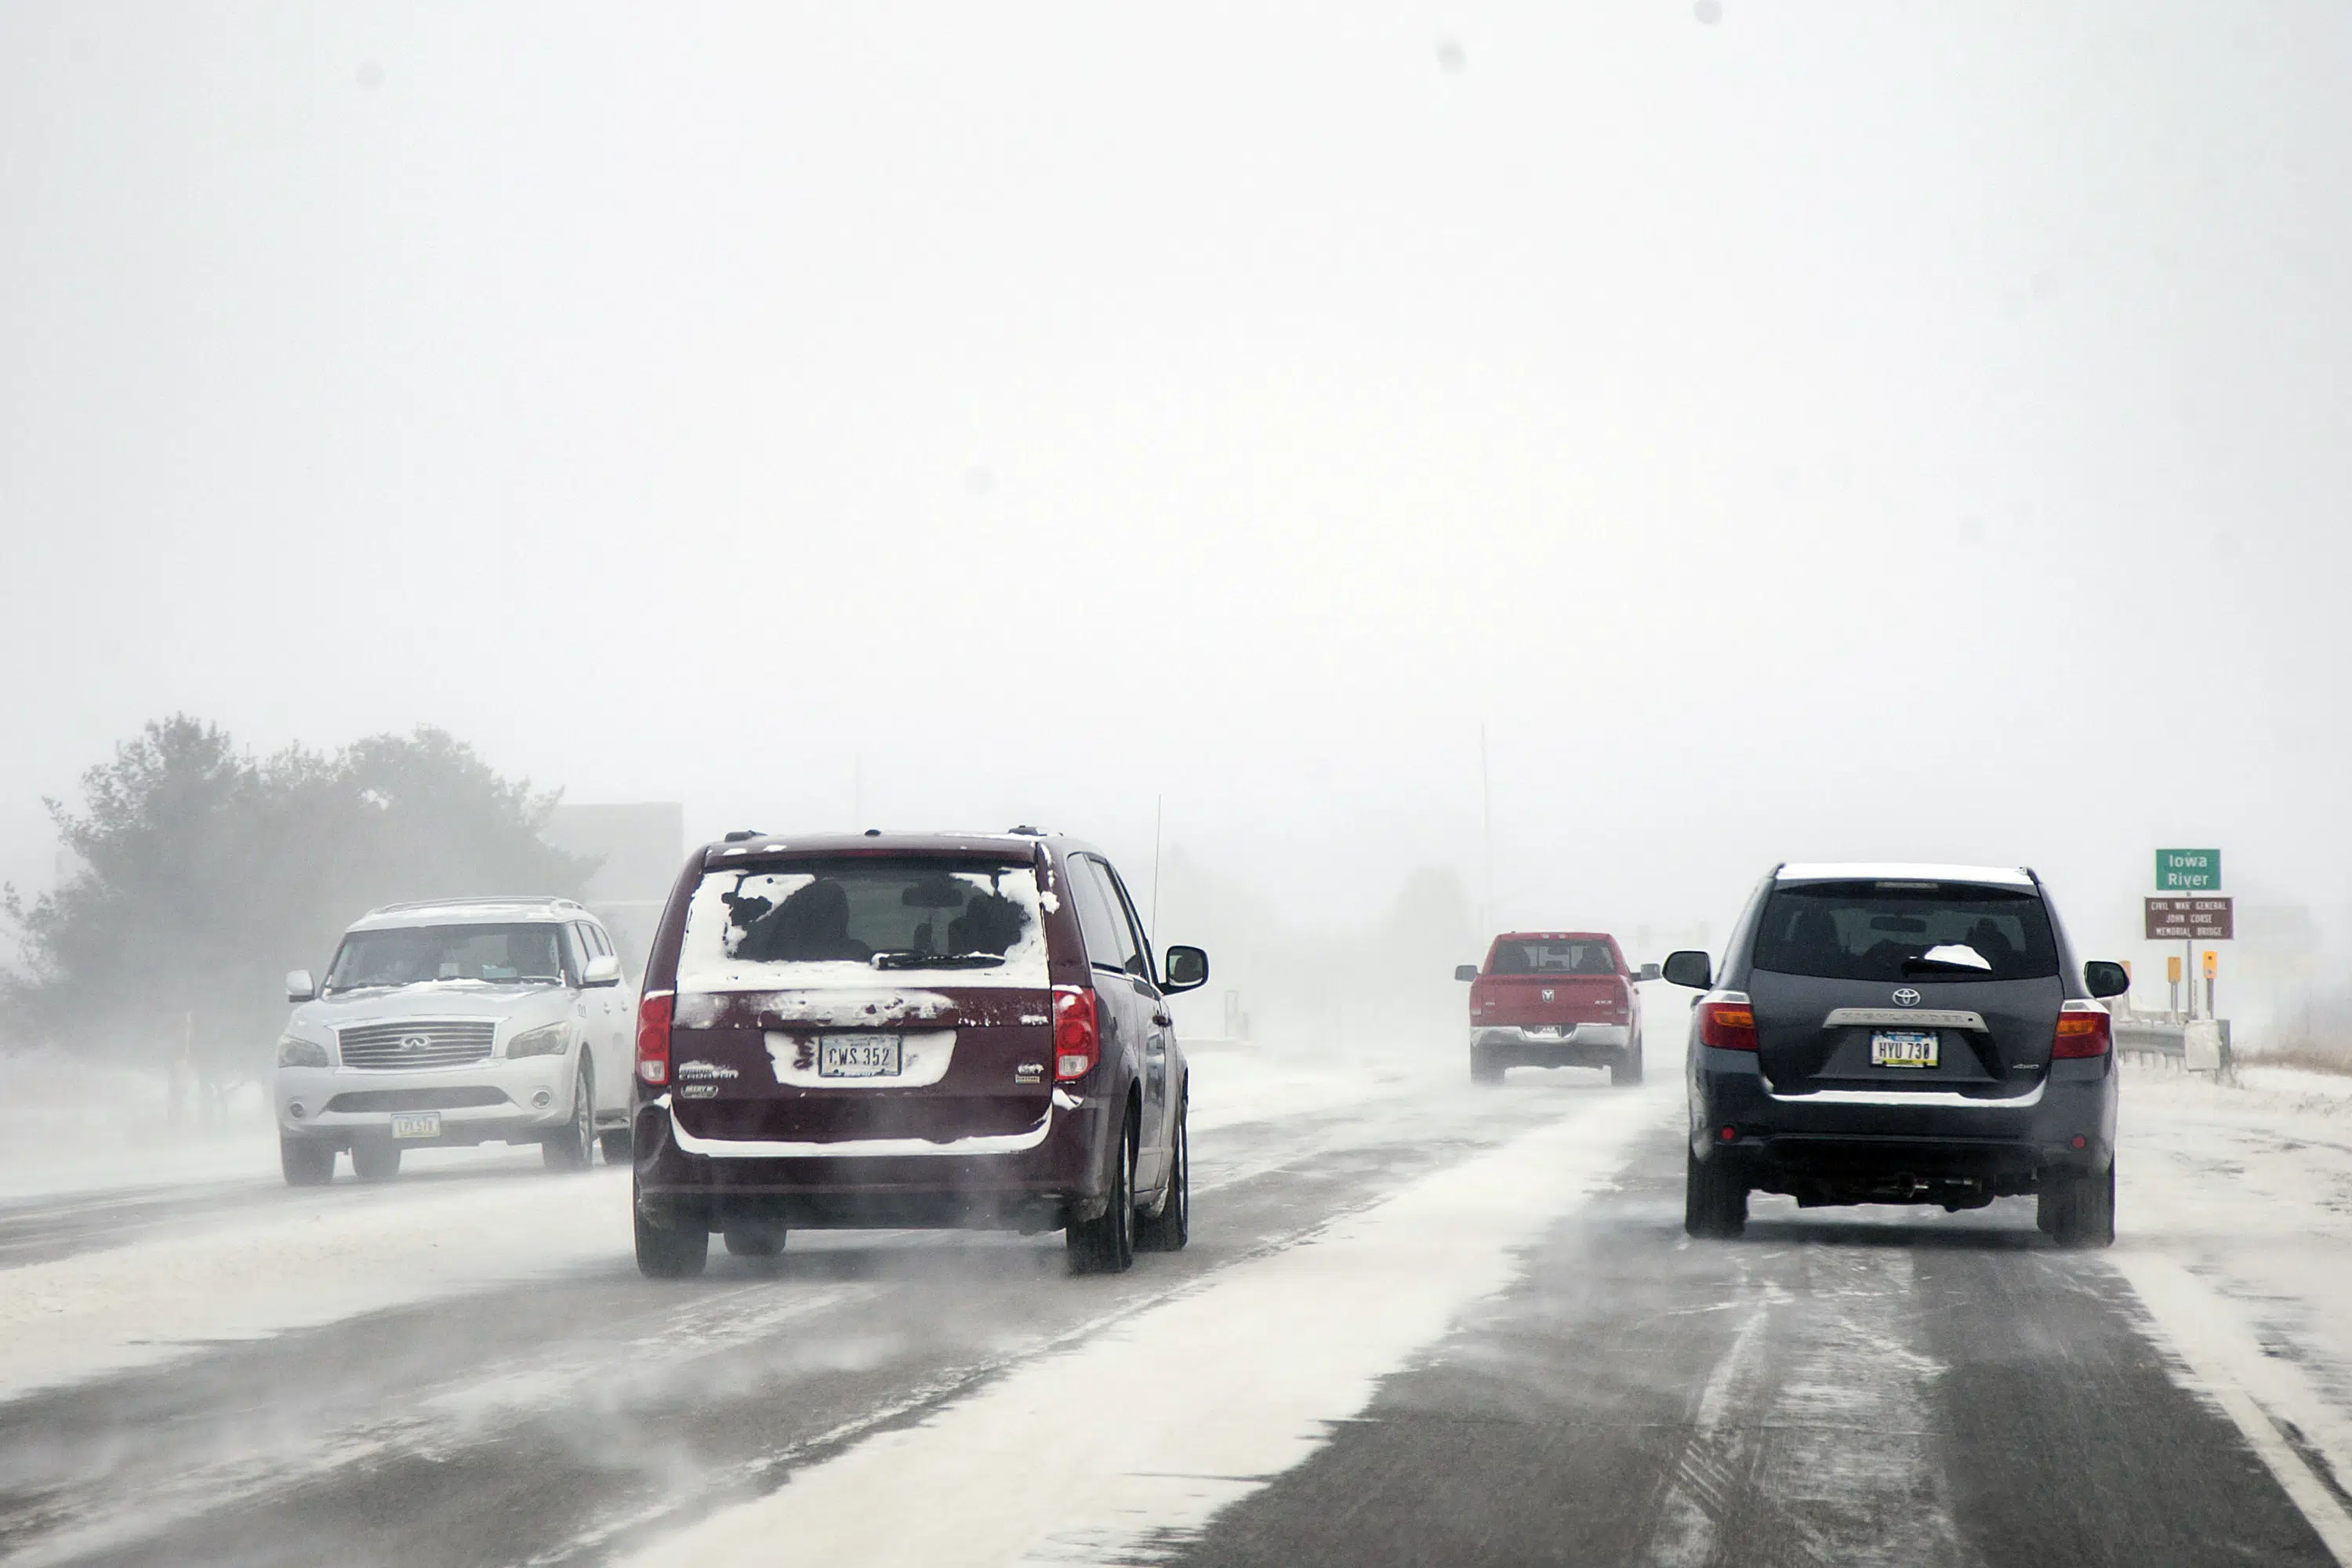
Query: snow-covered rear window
(841, 921)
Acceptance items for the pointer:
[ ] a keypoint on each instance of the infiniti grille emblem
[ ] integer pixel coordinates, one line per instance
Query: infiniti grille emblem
(414, 1042)
(1906, 997)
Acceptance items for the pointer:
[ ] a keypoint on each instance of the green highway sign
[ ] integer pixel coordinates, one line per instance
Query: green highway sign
(2188, 870)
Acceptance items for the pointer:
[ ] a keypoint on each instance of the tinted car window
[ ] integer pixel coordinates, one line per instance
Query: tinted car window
(822, 922)
(1915, 932)
(1135, 949)
(1108, 941)
(1553, 958)
(577, 949)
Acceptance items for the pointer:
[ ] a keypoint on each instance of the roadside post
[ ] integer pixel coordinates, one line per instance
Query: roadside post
(2190, 907)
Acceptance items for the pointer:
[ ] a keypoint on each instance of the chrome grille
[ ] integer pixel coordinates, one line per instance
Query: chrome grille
(417, 1043)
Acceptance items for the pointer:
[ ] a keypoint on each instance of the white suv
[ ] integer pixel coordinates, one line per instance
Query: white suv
(485, 1020)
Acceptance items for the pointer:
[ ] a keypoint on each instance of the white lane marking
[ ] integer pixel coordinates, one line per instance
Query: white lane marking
(1116, 1448)
(2222, 1352)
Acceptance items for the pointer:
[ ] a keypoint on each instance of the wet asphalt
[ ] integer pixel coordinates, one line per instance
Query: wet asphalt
(1839, 1386)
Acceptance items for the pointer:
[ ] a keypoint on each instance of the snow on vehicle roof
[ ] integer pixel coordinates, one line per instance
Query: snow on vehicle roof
(472, 911)
(1017, 847)
(1903, 871)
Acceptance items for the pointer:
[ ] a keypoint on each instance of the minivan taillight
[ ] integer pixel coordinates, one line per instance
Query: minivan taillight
(1077, 1044)
(1727, 1022)
(653, 1036)
(2083, 1030)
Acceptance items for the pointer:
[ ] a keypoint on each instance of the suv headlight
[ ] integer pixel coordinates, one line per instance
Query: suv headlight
(298, 1053)
(547, 1040)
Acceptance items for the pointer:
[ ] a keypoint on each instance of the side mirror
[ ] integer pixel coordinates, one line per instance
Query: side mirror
(298, 986)
(1183, 968)
(603, 970)
(2105, 979)
(1689, 969)
(1648, 972)
(1465, 972)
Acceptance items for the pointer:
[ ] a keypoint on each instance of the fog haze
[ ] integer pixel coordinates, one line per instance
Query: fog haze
(1833, 432)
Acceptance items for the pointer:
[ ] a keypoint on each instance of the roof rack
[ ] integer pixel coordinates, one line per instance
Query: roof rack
(1025, 831)
(516, 899)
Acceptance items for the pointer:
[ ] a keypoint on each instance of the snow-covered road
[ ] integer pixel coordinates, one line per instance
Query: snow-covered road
(1419, 1322)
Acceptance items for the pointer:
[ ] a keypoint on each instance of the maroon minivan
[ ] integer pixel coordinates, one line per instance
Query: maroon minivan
(908, 1030)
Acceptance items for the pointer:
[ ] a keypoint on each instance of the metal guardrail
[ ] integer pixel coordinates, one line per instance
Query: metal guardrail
(2200, 1045)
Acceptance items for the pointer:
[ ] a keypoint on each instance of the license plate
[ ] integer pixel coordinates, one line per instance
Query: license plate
(1903, 1048)
(856, 1055)
(416, 1124)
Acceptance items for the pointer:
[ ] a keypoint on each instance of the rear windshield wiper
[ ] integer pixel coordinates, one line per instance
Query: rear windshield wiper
(905, 958)
(1924, 965)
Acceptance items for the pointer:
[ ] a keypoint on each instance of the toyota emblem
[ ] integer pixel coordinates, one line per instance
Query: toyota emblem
(1906, 997)
(418, 1042)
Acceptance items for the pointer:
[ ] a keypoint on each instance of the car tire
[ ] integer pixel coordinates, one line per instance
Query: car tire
(1105, 1244)
(1626, 1070)
(306, 1162)
(619, 1144)
(2084, 1216)
(1715, 1200)
(376, 1160)
(754, 1240)
(574, 1148)
(670, 1251)
(1172, 1227)
(1483, 1068)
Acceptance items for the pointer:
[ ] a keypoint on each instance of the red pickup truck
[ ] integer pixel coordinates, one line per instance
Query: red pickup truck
(1554, 999)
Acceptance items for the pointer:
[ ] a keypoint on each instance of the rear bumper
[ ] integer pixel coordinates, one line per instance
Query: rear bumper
(1041, 1179)
(1824, 1148)
(1567, 1045)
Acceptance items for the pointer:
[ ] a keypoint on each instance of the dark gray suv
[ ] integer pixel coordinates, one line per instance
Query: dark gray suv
(1895, 1034)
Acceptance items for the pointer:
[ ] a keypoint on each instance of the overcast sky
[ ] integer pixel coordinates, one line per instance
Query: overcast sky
(1831, 430)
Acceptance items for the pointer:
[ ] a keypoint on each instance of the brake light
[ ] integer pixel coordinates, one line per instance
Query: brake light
(653, 1036)
(1727, 1022)
(2083, 1030)
(1077, 1044)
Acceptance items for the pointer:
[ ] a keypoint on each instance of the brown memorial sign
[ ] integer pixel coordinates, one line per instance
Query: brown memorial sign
(2190, 919)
